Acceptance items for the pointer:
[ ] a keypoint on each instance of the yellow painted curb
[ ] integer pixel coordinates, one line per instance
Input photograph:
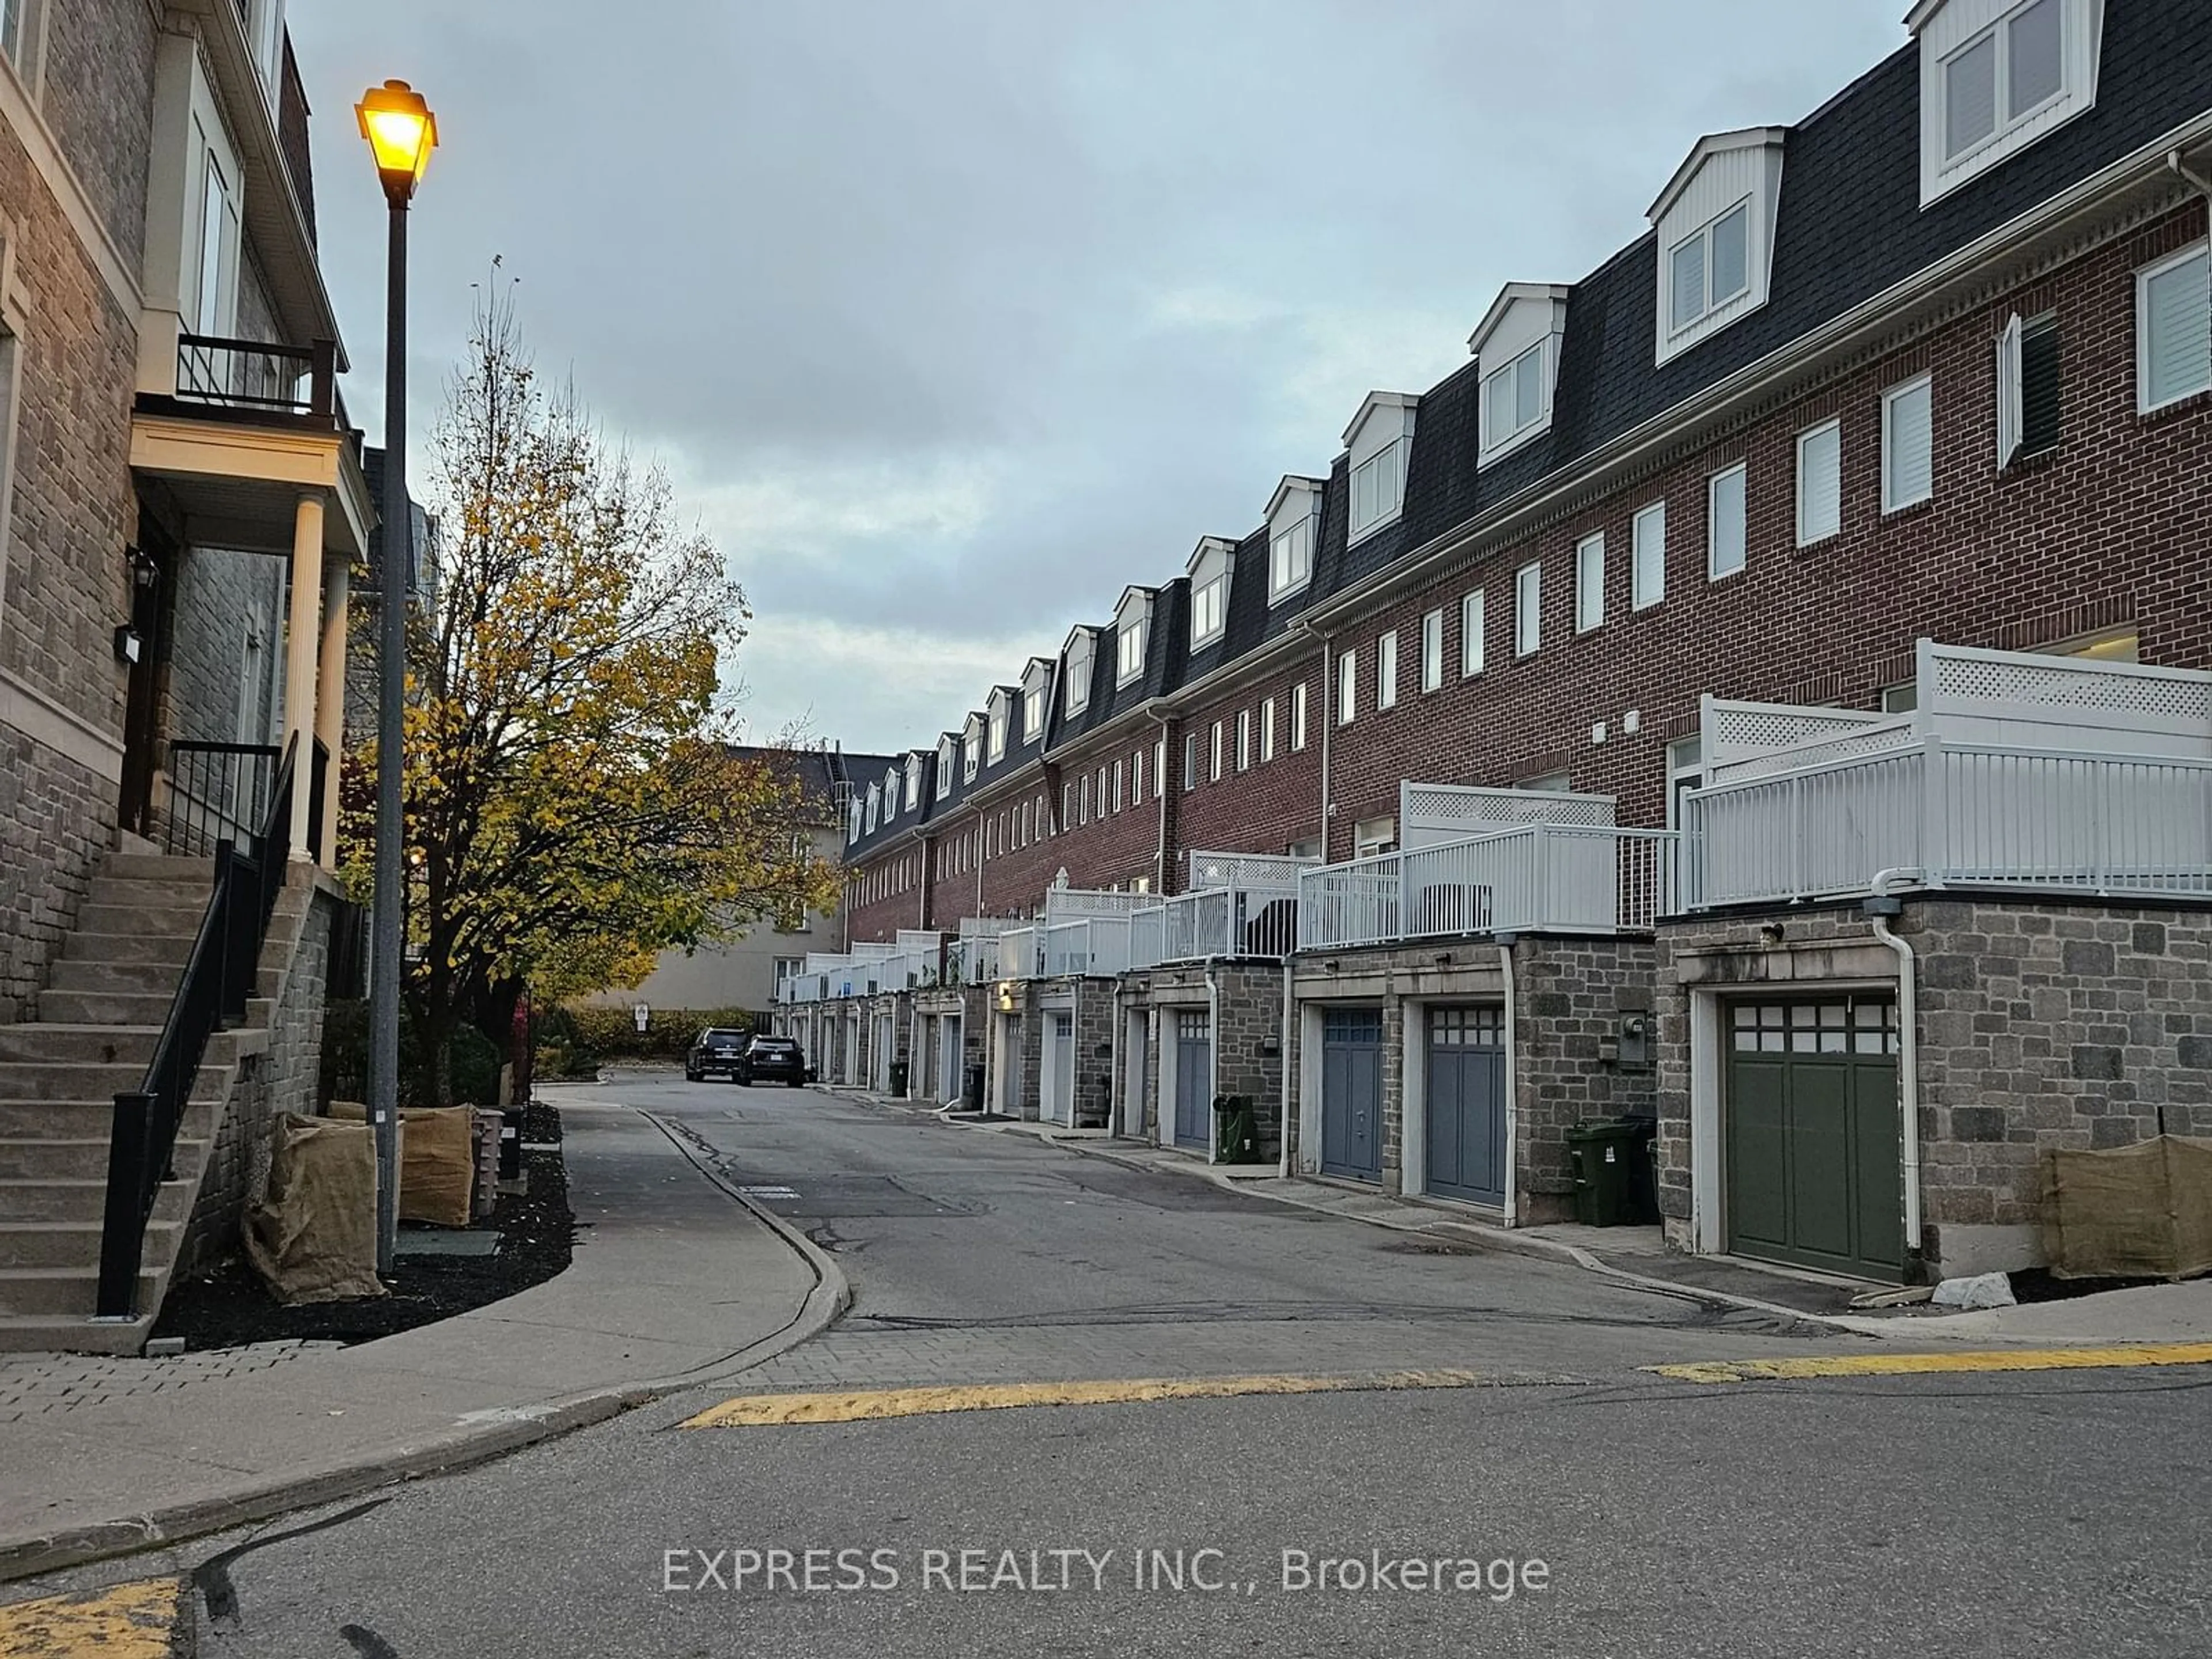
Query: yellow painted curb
(127, 1621)
(752, 1411)
(1918, 1365)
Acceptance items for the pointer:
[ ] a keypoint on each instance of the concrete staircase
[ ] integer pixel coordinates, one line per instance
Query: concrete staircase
(99, 1020)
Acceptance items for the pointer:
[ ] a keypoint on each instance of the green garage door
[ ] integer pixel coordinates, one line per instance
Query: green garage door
(1813, 1146)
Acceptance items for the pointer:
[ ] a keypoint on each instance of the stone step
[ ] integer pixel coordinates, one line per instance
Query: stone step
(69, 1290)
(48, 1042)
(135, 978)
(158, 867)
(36, 1244)
(88, 1119)
(179, 921)
(85, 1202)
(171, 901)
(62, 1083)
(60, 1333)
(83, 1158)
(168, 950)
(121, 1008)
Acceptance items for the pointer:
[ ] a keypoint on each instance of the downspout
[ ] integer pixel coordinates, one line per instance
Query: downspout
(1213, 1056)
(1879, 907)
(1512, 1082)
(1166, 796)
(1325, 701)
(1283, 1121)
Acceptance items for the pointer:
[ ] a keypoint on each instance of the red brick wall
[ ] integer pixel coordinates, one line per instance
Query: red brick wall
(2109, 528)
(1273, 803)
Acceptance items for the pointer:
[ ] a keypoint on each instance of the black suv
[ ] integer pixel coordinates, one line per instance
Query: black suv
(717, 1048)
(770, 1059)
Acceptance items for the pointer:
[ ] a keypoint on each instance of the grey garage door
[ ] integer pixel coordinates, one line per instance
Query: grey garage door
(1812, 1126)
(1466, 1103)
(1351, 1093)
(1193, 1061)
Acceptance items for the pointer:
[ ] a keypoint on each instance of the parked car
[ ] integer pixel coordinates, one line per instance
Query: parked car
(717, 1048)
(771, 1060)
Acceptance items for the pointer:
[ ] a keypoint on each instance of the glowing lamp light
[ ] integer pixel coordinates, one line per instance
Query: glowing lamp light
(402, 133)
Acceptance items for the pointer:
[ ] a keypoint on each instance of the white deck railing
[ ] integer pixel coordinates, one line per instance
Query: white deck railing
(1254, 921)
(1963, 815)
(1549, 877)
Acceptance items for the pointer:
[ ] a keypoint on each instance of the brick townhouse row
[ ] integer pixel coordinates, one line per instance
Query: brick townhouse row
(1767, 691)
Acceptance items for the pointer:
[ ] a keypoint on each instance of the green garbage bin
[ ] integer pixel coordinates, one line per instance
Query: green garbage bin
(1235, 1136)
(898, 1078)
(1601, 1154)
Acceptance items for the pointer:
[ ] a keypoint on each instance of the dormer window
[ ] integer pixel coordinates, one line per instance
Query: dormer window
(1293, 522)
(913, 781)
(1213, 564)
(890, 794)
(1379, 439)
(1037, 684)
(1995, 77)
(853, 832)
(1078, 659)
(945, 766)
(998, 737)
(1710, 267)
(875, 803)
(971, 748)
(1132, 630)
(1518, 342)
(999, 716)
(1716, 225)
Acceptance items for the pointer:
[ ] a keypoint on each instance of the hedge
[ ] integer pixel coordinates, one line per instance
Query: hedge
(589, 1035)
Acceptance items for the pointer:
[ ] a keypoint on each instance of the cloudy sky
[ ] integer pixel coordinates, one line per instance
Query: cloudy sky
(949, 318)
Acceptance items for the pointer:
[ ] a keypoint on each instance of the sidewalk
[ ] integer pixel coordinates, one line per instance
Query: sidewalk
(1638, 1255)
(107, 1455)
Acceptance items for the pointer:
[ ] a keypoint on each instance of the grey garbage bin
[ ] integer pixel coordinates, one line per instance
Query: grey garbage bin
(971, 1091)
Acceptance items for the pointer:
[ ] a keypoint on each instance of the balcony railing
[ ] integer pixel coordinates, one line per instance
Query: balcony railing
(1954, 814)
(1537, 877)
(1217, 922)
(257, 375)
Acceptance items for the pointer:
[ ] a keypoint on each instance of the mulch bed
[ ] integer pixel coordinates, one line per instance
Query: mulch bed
(230, 1306)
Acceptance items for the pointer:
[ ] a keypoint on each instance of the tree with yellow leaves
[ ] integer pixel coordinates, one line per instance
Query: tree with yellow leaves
(573, 807)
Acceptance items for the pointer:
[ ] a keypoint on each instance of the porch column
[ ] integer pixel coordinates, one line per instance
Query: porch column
(302, 634)
(330, 697)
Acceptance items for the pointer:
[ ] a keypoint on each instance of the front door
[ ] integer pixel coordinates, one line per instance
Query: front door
(1351, 1093)
(1193, 1094)
(1059, 1068)
(153, 577)
(1813, 1174)
(1466, 1129)
(949, 1081)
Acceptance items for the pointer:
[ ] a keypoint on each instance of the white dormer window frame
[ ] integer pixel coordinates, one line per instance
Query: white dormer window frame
(1518, 342)
(1212, 568)
(1076, 659)
(1379, 445)
(1996, 77)
(1037, 688)
(1133, 635)
(945, 766)
(890, 794)
(852, 833)
(1293, 532)
(1714, 249)
(875, 804)
(913, 782)
(997, 725)
(971, 748)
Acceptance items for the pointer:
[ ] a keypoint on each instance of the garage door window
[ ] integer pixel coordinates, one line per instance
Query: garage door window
(1852, 1025)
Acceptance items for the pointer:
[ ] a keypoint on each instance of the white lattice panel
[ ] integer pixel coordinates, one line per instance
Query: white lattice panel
(1247, 869)
(1892, 733)
(1429, 813)
(2043, 702)
(1732, 732)
(1066, 903)
(918, 939)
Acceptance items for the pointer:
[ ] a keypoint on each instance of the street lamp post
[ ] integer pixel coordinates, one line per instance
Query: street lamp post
(402, 133)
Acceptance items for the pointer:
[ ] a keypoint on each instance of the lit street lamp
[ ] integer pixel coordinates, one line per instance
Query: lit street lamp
(402, 133)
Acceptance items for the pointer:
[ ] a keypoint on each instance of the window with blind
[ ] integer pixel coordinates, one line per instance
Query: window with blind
(1908, 438)
(1386, 671)
(1648, 562)
(1724, 523)
(2174, 329)
(1528, 609)
(1589, 583)
(1820, 482)
(1471, 624)
(1433, 651)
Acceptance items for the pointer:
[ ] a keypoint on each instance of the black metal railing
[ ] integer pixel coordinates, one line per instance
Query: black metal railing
(218, 794)
(256, 374)
(320, 781)
(217, 983)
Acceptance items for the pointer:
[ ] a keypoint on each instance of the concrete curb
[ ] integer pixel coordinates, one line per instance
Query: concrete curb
(507, 1430)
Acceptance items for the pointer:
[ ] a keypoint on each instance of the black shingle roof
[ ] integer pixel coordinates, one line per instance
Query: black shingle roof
(1849, 226)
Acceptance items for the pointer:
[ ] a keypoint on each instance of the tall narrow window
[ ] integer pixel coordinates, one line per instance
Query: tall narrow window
(1908, 461)
(1724, 523)
(1648, 579)
(1189, 761)
(1386, 671)
(1243, 739)
(1298, 716)
(1589, 583)
(1347, 687)
(1290, 558)
(1136, 778)
(216, 216)
(1117, 786)
(1377, 488)
(1820, 482)
(1267, 731)
(1528, 609)
(1159, 768)
(1213, 770)
(2174, 329)
(1472, 622)
(1433, 651)
(1083, 801)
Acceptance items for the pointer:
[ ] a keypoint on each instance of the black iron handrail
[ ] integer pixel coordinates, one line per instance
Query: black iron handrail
(217, 793)
(256, 374)
(213, 994)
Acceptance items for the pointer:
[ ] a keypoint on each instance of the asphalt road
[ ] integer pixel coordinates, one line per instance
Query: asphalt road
(1581, 1506)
